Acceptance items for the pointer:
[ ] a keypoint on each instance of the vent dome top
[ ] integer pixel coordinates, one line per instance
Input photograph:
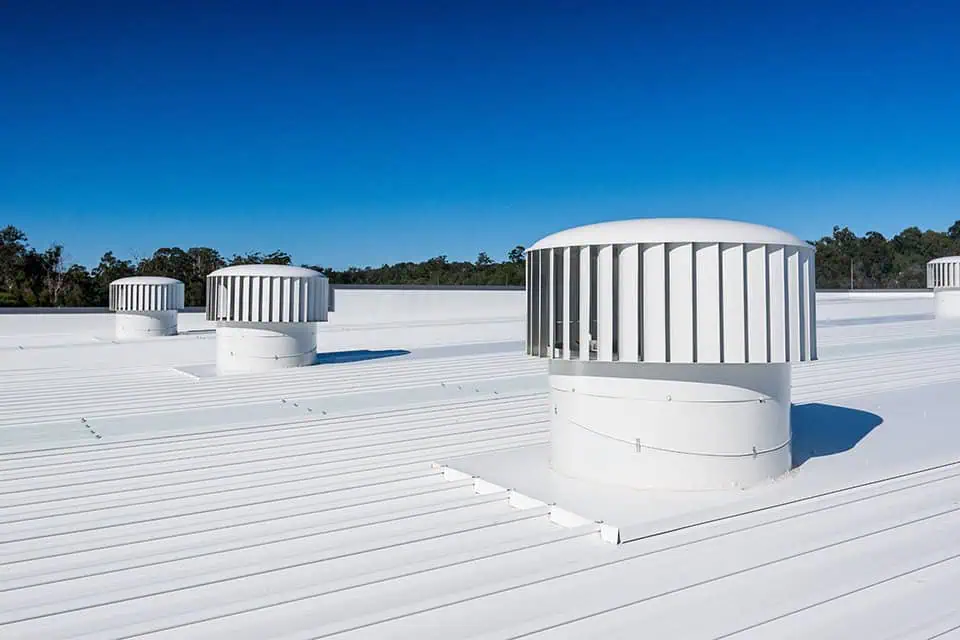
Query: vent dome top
(267, 270)
(665, 230)
(152, 280)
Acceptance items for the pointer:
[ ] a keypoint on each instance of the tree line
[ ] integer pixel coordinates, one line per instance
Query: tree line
(846, 260)
(34, 277)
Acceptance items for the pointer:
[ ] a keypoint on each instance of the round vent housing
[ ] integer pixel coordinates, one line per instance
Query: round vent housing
(266, 316)
(146, 306)
(670, 344)
(943, 276)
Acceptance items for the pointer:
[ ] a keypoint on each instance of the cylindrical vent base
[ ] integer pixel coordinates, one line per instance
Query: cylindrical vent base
(250, 347)
(132, 325)
(670, 426)
(947, 303)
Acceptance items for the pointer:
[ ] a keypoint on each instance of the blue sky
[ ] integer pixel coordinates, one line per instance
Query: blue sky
(360, 132)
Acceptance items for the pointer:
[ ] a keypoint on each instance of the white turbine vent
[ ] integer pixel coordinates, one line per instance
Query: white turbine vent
(266, 316)
(146, 306)
(944, 273)
(672, 302)
(943, 276)
(271, 295)
(670, 343)
(146, 294)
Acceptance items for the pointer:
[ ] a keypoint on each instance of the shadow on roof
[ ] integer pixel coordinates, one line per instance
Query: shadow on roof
(196, 332)
(335, 357)
(826, 429)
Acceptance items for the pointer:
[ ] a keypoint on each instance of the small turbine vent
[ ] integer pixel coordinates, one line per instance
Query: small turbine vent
(146, 294)
(943, 276)
(146, 306)
(266, 315)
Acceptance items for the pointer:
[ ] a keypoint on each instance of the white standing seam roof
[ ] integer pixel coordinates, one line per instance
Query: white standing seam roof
(139, 500)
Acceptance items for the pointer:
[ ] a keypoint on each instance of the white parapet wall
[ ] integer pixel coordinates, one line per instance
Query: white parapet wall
(396, 305)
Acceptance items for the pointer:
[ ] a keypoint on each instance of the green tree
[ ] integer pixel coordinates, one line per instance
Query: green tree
(13, 252)
(876, 261)
(110, 268)
(954, 231)
(255, 257)
(203, 261)
(169, 262)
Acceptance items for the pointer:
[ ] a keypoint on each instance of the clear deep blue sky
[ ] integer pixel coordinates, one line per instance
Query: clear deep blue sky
(361, 132)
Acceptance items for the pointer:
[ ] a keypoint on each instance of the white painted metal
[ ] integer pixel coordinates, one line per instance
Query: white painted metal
(605, 298)
(586, 344)
(683, 302)
(565, 317)
(660, 230)
(653, 302)
(686, 332)
(254, 346)
(267, 293)
(145, 306)
(947, 303)
(133, 325)
(265, 316)
(628, 308)
(676, 426)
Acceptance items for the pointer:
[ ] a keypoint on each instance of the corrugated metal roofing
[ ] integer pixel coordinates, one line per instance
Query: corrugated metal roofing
(138, 500)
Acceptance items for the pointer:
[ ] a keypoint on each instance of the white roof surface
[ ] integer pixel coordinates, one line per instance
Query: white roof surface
(657, 230)
(138, 500)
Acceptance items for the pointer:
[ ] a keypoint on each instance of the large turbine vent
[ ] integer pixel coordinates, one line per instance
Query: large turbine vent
(670, 343)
